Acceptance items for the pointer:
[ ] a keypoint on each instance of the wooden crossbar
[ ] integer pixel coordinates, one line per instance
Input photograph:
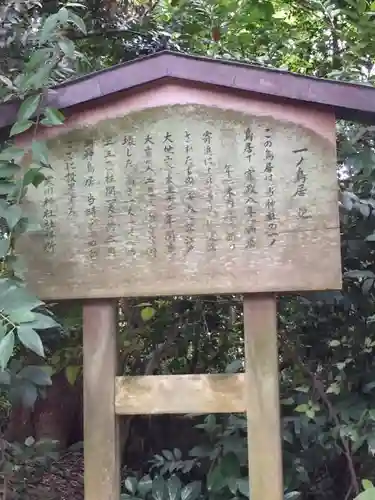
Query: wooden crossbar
(107, 397)
(178, 394)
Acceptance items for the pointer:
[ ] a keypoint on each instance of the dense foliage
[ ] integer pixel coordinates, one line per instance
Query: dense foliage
(326, 339)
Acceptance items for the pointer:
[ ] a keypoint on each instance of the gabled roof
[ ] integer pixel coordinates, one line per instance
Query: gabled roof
(349, 101)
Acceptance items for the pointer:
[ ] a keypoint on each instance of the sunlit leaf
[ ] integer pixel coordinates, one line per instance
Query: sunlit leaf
(366, 484)
(67, 46)
(20, 127)
(173, 488)
(71, 373)
(6, 349)
(77, 22)
(22, 315)
(53, 117)
(158, 488)
(131, 484)
(28, 108)
(191, 491)
(366, 495)
(30, 339)
(147, 313)
(36, 374)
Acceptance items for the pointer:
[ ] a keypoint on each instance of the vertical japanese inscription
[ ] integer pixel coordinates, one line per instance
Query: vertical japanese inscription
(250, 191)
(129, 143)
(91, 209)
(229, 198)
(49, 215)
(300, 182)
(190, 195)
(71, 180)
(110, 196)
(150, 183)
(208, 162)
(271, 220)
(169, 151)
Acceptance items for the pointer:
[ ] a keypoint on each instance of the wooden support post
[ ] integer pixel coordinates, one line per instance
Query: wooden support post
(101, 447)
(262, 398)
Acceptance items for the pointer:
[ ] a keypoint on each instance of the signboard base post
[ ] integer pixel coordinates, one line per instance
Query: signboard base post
(262, 397)
(101, 438)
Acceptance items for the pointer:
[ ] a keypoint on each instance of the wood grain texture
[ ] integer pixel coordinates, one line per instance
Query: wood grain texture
(179, 394)
(101, 450)
(262, 398)
(186, 199)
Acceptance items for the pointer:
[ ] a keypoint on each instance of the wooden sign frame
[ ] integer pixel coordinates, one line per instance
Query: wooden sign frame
(107, 396)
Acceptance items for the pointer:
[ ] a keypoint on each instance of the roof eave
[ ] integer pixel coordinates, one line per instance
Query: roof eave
(349, 101)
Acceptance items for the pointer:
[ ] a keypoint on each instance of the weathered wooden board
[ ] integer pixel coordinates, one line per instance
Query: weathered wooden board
(179, 394)
(186, 200)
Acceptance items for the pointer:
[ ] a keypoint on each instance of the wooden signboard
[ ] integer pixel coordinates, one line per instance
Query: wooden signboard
(186, 199)
(176, 175)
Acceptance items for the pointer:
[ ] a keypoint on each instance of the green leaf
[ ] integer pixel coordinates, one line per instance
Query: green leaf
(29, 394)
(8, 170)
(67, 46)
(302, 408)
(36, 374)
(38, 57)
(29, 441)
(235, 366)
(147, 313)
(215, 480)
(63, 15)
(12, 215)
(20, 127)
(33, 176)
(4, 247)
(292, 495)
(6, 349)
(30, 339)
(131, 484)
(12, 154)
(5, 378)
(334, 343)
(48, 27)
(71, 373)
(40, 152)
(366, 495)
(52, 117)
(366, 484)
(243, 487)
(168, 454)
(144, 486)
(77, 22)
(28, 108)
(230, 465)
(7, 189)
(43, 322)
(191, 491)
(173, 488)
(22, 315)
(17, 297)
(158, 488)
